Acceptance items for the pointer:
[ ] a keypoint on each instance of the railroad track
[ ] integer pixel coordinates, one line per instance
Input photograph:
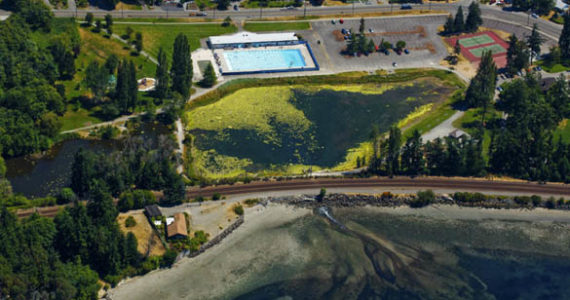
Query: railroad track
(472, 185)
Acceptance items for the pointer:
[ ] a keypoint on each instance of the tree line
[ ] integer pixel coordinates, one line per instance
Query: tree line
(458, 24)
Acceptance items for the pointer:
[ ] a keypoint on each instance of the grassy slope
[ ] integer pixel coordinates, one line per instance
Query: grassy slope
(157, 35)
(276, 26)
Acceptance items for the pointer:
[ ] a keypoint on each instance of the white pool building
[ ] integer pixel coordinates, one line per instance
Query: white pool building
(247, 52)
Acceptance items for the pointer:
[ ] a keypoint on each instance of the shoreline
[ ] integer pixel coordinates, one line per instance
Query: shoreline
(273, 216)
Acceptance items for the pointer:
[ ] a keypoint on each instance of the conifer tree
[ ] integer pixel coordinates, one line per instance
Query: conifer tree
(181, 69)
(162, 76)
(481, 89)
(209, 79)
(473, 18)
(459, 23)
(448, 26)
(534, 41)
(133, 85)
(564, 40)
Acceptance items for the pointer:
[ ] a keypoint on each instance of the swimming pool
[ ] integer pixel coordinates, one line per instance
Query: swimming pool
(251, 60)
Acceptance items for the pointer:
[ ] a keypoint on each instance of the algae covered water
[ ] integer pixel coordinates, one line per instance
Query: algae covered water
(378, 255)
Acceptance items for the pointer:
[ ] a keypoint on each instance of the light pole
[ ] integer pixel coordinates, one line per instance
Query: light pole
(304, 9)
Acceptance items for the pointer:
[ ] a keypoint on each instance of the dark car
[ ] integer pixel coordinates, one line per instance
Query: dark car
(236, 7)
(406, 51)
(406, 6)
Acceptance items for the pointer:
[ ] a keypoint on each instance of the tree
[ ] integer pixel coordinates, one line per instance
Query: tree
(393, 151)
(448, 26)
(564, 40)
(108, 21)
(138, 42)
(361, 28)
(481, 89)
(413, 162)
(89, 19)
(517, 55)
(227, 21)
(459, 23)
(223, 4)
(534, 41)
(457, 48)
(122, 88)
(96, 79)
(98, 26)
(181, 70)
(400, 45)
(370, 48)
(132, 255)
(128, 32)
(209, 79)
(473, 18)
(132, 85)
(111, 64)
(162, 76)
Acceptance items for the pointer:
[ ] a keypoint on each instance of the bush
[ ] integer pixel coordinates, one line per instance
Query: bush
(251, 202)
(199, 199)
(322, 195)
(216, 196)
(550, 203)
(227, 21)
(423, 198)
(168, 258)
(238, 209)
(130, 222)
(536, 200)
(522, 200)
(66, 195)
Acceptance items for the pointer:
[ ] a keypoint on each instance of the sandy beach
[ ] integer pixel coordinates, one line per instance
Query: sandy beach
(263, 242)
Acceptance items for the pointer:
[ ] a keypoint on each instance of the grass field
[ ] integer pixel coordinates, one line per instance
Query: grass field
(476, 40)
(276, 26)
(495, 48)
(163, 35)
(287, 129)
(552, 67)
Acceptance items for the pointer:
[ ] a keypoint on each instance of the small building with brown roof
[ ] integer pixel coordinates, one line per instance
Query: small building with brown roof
(177, 229)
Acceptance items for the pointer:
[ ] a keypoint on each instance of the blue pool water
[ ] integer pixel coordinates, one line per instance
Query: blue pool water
(250, 60)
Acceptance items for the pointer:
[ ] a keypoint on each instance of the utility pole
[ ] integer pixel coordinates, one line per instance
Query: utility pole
(304, 9)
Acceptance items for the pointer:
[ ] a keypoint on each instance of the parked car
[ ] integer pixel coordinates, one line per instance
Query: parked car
(406, 6)
(500, 89)
(394, 64)
(370, 30)
(538, 68)
(406, 51)
(333, 22)
(386, 52)
(201, 14)
(534, 15)
(519, 73)
(343, 31)
(236, 8)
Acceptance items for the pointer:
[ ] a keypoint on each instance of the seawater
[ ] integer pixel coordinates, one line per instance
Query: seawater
(384, 256)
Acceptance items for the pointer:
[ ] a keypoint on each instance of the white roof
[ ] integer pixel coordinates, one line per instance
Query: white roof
(169, 220)
(561, 5)
(250, 37)
(157, 222)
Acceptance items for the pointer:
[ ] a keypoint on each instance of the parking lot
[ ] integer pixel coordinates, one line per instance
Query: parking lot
(419, 33)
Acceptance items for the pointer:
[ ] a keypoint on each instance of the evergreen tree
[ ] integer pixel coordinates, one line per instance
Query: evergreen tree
(133, 85)
(209, 79)
(457, 48)
(517, 55)
(108, 21)
(473, 18)
(393, 151)
(361, 28)
(448, 26)
(122, 88)
(413, 162)
(89, 19)
(162, 76)
(138, 42)
(181, 69)
(112, 63)
(564, 40)
(132, 255)
(534, 41)
(481, 89)
(459, 23)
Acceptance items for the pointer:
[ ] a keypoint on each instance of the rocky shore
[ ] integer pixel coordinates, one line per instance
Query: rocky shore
(388, 199)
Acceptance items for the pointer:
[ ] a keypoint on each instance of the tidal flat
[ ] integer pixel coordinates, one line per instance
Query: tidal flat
(431, 253)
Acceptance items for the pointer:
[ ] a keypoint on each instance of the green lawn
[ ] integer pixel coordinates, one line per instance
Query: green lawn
(552, 68)
(77, 118)
(163, 35)
(275, 3)
(276, 26)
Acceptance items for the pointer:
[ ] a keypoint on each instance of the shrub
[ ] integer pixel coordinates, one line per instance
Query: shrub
(322, 194)
(251, 202)
(130, 222)
(168, 258)
(423, 198)
(387, 195)
(66, 195)
(536, 200)
(227, 21)
(522, 200)
(550, 203)
(238, 209)
(216, 196)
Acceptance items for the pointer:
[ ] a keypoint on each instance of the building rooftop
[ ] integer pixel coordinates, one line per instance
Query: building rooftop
(244, 37)
(178, 227)
(152, 211)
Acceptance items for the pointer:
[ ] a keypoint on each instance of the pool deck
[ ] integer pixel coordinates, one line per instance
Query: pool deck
(223, 65)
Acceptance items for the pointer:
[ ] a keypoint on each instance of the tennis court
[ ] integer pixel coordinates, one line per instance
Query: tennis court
(495, 49)
(476, 40)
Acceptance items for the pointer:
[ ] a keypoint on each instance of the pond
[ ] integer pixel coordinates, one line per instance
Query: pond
(269, 127)
(40, 176)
